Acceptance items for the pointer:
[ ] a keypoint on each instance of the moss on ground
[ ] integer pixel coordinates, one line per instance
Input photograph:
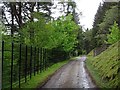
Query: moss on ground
(105, 68)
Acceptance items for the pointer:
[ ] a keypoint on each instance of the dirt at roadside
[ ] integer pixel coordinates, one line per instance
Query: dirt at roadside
(71, 75)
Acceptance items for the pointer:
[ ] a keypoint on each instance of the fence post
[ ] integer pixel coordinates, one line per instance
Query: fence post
(2, 62)
(34, 60)
(42, 59)
(30, 62)
(26, 64)
(12, 63)
(45, 59)
(19, 64)
(39, 59)
(38, 62)
(48, 58)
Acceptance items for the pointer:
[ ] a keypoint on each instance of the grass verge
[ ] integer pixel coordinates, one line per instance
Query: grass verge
(39, 79)
(105, 67)
(94, 73)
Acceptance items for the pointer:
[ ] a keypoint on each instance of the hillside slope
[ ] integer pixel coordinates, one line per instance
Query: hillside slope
(105, 68)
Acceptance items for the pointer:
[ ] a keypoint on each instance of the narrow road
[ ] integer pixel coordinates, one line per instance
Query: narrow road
(72, 75)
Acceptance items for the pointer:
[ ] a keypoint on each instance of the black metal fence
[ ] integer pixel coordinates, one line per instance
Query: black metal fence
(21, 62)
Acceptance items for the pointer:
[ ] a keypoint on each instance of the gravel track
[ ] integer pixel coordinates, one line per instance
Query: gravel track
(71, 75)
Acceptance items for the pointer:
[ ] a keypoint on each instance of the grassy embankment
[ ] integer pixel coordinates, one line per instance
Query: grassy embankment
(105, 68)
(40, 78)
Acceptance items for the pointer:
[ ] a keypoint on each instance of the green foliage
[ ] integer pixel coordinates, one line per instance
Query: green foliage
(6, 35)
(104, 19)
(66, 30)
(2, 30)
(33, 33)
(60, 33)
(3, 35)
(107, 66)
(109, 19)
(88, 40)
(114, 36)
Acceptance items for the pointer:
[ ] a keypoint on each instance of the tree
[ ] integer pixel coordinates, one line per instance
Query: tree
(114, 36)
(80, 38)
(88, 41)
(69, 29)
(16, 14)
(37, 33)
(101, 24)
(60, 33)
(108, 20)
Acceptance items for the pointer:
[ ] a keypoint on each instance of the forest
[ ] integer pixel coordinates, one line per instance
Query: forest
(33, 39)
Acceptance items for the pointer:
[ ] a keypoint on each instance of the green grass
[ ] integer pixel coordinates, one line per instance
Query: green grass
(94, 73)
(105, 67)
(90, 53)
(38, 80)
